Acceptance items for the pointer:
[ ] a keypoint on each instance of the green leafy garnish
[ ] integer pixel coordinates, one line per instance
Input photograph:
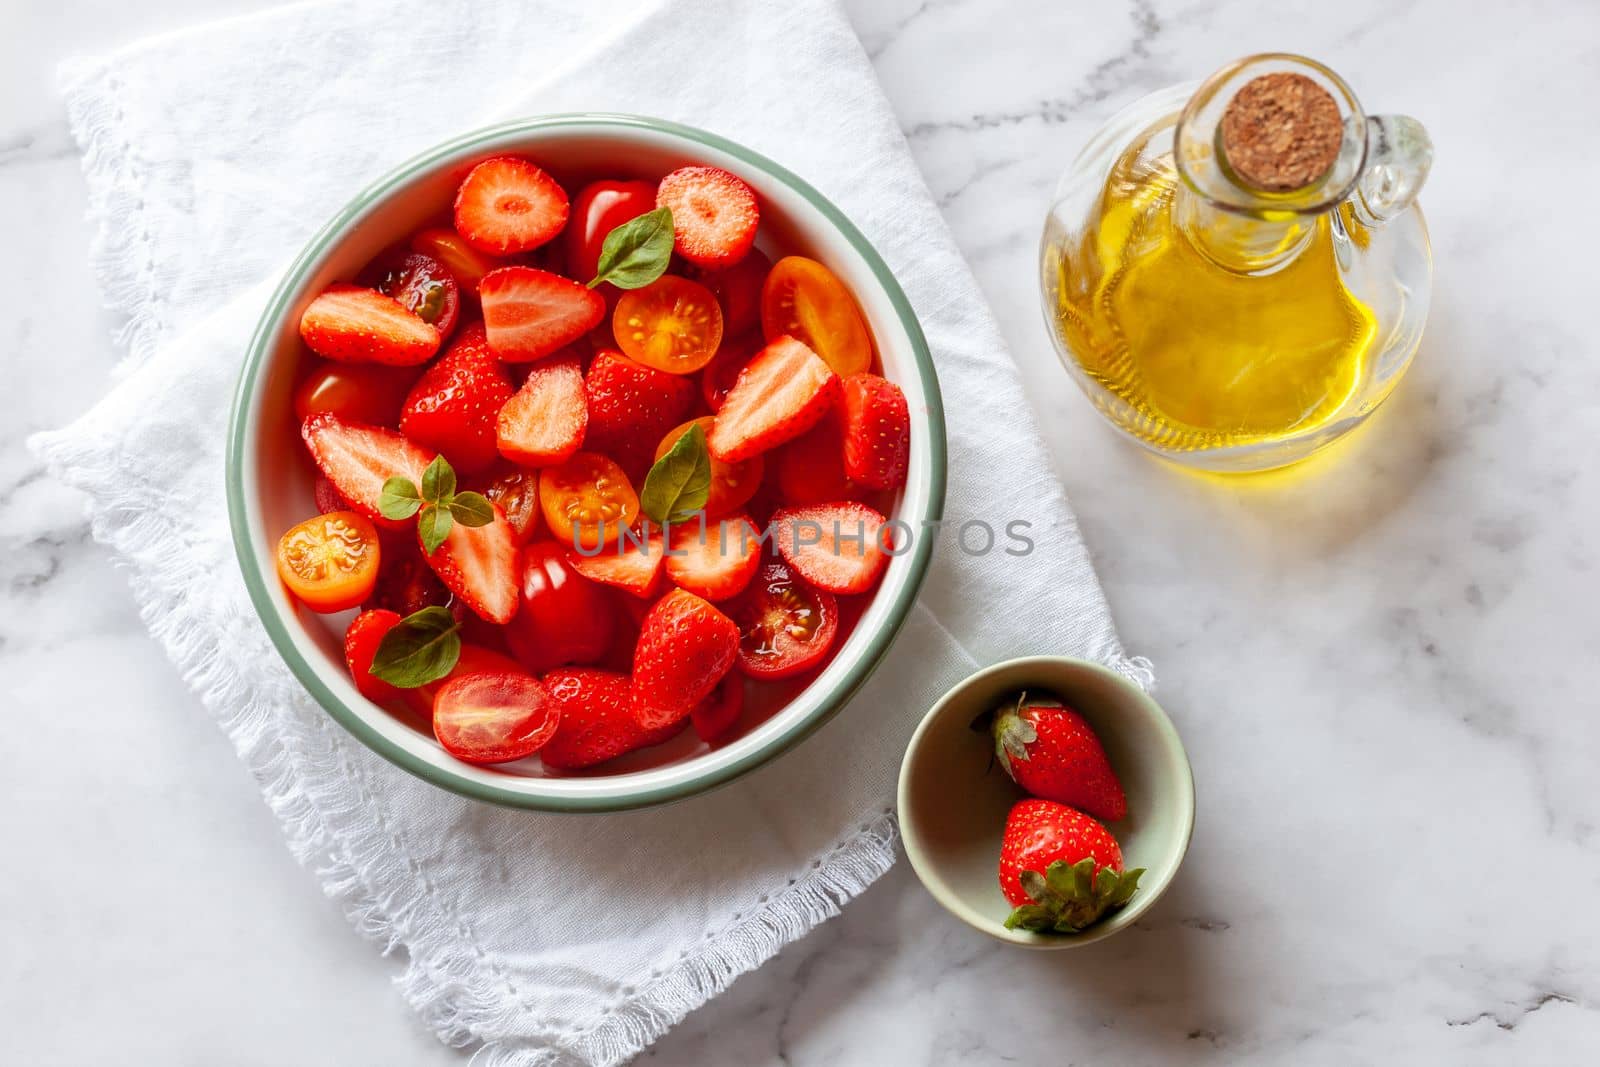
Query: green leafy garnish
(439, 503)
(679, 483)
(422, 648)
(636, 253)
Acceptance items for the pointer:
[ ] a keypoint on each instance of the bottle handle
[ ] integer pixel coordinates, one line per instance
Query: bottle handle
(1399, 154)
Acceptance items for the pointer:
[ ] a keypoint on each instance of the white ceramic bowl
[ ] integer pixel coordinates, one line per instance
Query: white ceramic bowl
(269, 477)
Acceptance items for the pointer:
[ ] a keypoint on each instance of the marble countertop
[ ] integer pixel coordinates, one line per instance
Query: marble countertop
(1384, 664)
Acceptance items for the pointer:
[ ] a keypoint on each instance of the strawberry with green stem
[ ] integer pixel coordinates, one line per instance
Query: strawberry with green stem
(1050, 751)
(1060, 869)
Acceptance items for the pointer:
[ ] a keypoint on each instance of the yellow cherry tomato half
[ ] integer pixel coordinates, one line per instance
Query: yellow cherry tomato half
(804, 299)
(330, 563)
(732, 484)
(672, 324)
(583, 493)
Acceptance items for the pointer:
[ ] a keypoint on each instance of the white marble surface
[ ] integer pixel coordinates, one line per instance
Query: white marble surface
(1384, 666)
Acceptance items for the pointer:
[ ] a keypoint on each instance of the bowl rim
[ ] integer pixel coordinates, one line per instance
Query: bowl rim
(240, 449)
(925, 869)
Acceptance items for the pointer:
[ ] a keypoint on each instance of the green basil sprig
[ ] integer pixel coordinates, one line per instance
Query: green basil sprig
(636, 253)
(439, 503)
(680, 482)
(422, 648)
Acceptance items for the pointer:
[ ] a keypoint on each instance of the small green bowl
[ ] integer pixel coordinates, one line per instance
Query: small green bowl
(953, 799)
(269, 477)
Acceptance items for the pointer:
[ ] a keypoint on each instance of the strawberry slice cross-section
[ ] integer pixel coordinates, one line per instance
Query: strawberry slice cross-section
(358, 459)
(786, 390)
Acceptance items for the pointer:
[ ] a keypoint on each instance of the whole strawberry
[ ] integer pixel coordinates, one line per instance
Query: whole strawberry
(630, 408)
(1060, 869)
(597, 722)
(1050, 751)
(455, 404)
(685, 648)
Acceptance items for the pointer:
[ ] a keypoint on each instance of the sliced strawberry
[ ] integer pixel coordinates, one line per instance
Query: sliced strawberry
(544, 423)
(531, 313)
(635, 569)
(454, 404)
(685, 648)
(479, 565)
(509, 205)
(877, 431)
(494, 718)
(631, 407)
(597, 722)
(835, 547)
(406, 584)
(714, 215)
(715, 562)
(361, 642)
(358, 459)
(356, 325)
(719, 713)
(784, 392)
(811, 467)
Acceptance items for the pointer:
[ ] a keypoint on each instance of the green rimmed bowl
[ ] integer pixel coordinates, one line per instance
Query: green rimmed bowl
(269, 478)
(953, 800)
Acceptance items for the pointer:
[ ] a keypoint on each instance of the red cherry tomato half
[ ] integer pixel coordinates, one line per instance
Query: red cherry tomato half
(475, 659)
(418, 282)
(368, 393)
(517, 492)
(785, 625)
(494, 717)
(563, 618)
(601, 207)
(719, 375)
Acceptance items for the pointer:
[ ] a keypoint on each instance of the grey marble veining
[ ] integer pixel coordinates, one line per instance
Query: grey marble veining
(1383, 666)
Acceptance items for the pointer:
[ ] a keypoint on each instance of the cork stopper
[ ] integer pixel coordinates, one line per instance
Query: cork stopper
(1281, 132)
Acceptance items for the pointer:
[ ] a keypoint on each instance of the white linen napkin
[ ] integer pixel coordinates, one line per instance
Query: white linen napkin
(210, 156)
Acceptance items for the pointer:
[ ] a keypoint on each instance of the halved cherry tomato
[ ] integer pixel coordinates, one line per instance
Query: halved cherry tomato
(475, 659)
(368, 393)
(330, 563)
(494, 718)
(731, 483)
(599, 208)
(420, 283)
(803, 299)
(564, 617)
(671, 324)
(738, 290)
(785, 625)
(583, 493)
(462, 260)
(517, 493)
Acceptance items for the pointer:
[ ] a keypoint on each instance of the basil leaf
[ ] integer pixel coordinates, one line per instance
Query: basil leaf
(423, 648)
(398, 499)
(434, 526)
(438, 482)
(471, 509)
(679, 483)
(636, 253)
